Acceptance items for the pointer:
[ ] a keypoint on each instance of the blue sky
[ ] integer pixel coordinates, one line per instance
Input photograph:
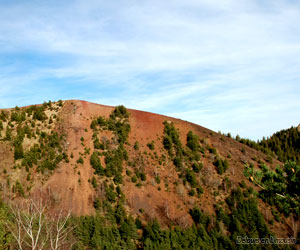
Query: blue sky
(231, 65)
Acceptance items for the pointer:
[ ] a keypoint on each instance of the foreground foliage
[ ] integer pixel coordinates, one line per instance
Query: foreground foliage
(279, 188)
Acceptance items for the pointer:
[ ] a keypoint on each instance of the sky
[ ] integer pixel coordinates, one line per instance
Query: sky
(228, 65)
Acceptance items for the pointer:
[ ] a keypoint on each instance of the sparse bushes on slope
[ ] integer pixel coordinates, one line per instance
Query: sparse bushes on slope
(114, 156)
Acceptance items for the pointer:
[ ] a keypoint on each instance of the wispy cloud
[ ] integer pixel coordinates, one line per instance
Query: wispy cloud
(230, 65)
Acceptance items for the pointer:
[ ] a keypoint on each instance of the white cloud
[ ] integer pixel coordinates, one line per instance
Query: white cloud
(203, 58)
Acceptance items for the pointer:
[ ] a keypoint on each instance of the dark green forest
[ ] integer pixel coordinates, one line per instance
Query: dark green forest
(284, 144)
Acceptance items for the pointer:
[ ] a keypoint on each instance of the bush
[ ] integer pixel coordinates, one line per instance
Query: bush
(18, 189)
(212, 150)
(80, 160)
(18, 154)
(143, 176)
(157, 179)
(136, 145)
(8, 134)
(3, 115)
(191, 178)
(192, 141)
(96, 164)
(221, 165)
(178, 163)
(120, 111)
(167, 142)
(110, 194)
(151, 145)
(192, 192)
(134, 179)
(97, 203)
(39, 114)
(197, 167)
(138, 223)
(94, 182)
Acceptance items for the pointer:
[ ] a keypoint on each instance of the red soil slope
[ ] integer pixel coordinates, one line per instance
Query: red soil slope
(69, 186)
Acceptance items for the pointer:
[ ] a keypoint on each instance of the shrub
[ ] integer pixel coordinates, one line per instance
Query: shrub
(143, 176)
(191, 178)
(120, 111)
(18, 154)
(212, 150)
(18, 189)
(134, 179)
(8, 134)
(138, 223)
(199, 190)
(197, 167)
(39, 114)
(94, 182)
(178, 163)
(97, 203)
(192, 141)
(157, 179)
(167, 142)
(96, 164)
(221, 165)
(3, 115)
(80, 160)
(151, 145)
(192, 192)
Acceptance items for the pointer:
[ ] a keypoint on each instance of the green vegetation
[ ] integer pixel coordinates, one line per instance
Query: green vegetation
(116, 230)
(18, 189)
(221, 165)
(4, 115)
(171, 139)
(285, 144)
(47, 152)
(279, 188)
(96, 164)
(114, 154)
(243, 218)
(185, 159)
(150, 145)
(197, 167)
(117, 122)
(114, 163)
(80, 160)
(192, 141)
(26, 130)
(112, 228)
(37, 112)
(136, 146)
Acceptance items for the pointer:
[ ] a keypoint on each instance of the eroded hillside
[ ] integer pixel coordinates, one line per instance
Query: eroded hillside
(90, 158)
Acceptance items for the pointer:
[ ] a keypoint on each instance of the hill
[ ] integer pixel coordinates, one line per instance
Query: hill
(145, 176)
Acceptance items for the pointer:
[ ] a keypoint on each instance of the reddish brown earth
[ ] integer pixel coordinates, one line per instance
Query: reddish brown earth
(70, 188)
